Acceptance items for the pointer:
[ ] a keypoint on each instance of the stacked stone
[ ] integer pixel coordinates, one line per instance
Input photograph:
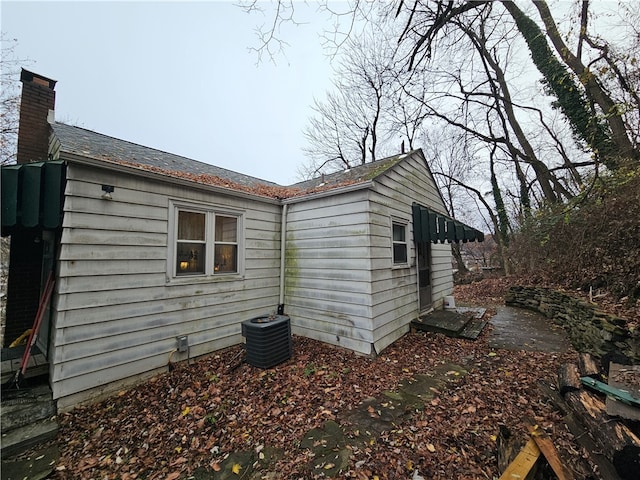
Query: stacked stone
(589, 329)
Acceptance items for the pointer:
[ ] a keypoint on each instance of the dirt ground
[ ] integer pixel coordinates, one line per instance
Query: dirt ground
(188, 421)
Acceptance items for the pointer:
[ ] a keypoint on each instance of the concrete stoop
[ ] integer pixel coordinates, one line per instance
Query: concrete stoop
(28, 418)
(34, 467)
(461, 322)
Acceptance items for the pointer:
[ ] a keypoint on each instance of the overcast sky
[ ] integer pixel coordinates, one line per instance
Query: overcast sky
(178, 77)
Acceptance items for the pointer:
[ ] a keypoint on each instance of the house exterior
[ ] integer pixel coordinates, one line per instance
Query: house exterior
(148, 246)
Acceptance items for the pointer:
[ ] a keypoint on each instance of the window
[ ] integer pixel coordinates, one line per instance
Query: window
(206, 242)
(226, 245)
(399, 243)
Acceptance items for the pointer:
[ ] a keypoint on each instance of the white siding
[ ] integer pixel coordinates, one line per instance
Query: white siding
(394, 289)
(341, 284)
(328, 270)
(441, 273)
(117, 312)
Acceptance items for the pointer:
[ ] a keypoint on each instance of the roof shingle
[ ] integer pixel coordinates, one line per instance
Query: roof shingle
(95, 145)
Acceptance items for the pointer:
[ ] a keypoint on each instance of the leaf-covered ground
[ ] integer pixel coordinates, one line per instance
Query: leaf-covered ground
(186, 421)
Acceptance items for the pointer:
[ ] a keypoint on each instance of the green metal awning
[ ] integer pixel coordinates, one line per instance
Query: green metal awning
(32, 195)
(431, 226)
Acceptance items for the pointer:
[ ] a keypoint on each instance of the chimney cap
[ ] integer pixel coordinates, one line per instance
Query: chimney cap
(29, 77)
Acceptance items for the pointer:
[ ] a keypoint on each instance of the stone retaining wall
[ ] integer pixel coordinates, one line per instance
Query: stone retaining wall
(589, 329)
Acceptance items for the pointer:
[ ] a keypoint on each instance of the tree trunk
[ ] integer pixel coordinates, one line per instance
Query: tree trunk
(455, 251)
(595, 92)
(618, 443)
(568, 379)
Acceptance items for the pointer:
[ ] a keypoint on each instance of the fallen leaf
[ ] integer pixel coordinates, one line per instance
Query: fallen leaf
(431, 447)
(236, 468)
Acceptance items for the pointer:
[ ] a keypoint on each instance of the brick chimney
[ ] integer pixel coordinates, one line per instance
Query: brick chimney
(36, 108)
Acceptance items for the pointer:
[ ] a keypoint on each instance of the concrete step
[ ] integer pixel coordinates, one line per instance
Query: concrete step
(473, 329)
(37, 466)
(459, 322)
(20, 439)
(25, 406)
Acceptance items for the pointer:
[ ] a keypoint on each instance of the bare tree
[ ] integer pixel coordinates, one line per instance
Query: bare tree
(9, 101)
(350, 124)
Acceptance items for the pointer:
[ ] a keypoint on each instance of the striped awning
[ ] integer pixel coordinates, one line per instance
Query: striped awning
(32, 195)
(431, 226)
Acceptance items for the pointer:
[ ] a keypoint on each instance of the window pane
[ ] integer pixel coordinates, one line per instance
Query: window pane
(226, 229)
(398, 233)
(399, 253)
(191, 226)
(226, 259)
(190, 258)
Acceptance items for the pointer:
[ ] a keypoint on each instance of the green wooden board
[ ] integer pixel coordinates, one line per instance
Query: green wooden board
(620, 395)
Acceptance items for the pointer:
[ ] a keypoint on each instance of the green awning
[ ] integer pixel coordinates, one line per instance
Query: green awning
(32, 195)
(431, 226)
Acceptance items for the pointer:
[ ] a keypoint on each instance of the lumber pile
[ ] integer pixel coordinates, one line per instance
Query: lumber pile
(611, 439)
(526, 464)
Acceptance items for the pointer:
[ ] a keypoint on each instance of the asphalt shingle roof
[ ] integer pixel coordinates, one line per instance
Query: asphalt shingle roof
(359, 174)
(96, 145)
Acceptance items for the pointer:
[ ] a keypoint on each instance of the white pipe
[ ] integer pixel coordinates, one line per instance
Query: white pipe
(283, 250)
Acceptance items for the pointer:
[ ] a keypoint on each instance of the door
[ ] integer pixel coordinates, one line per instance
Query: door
(424, 275)
(48, 257)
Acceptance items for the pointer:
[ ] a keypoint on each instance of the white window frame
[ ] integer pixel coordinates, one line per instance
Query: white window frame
(210, 211)
(405, 225)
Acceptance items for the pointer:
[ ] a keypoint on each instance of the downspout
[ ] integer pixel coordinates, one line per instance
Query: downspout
(283, 251)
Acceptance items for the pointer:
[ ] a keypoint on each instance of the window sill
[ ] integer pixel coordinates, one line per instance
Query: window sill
(201, 279)
(400, 266)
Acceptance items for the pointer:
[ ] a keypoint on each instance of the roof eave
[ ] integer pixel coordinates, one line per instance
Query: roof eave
(130, 169)
(328, 193)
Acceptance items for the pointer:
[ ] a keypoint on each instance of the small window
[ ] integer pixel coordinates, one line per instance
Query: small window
(226, 245)
(191, 243)
(399, 243)
(206, 242)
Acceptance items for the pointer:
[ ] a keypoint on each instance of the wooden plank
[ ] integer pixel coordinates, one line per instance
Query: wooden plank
(523, 463)
(549, 451)
(622, 376)
(619, 394)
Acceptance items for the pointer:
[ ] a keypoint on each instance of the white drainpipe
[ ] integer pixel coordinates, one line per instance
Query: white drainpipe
(283, 251)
